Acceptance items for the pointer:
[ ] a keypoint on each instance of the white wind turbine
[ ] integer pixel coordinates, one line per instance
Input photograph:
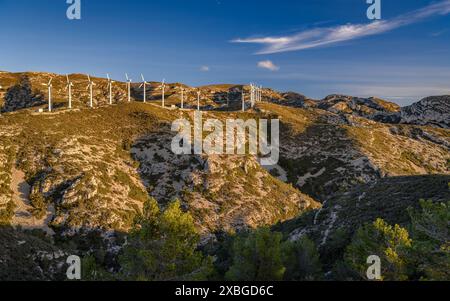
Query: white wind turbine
(243, 100)
(49, 86)
(198, 99)
(163, 89)
(91, 95)
(182, 97)
(110, 84)
(128, 86)
(252, 95)
(69, 86)
(144, 85)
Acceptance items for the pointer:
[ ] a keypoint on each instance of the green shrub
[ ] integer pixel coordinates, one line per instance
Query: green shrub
(7, 214)
(391, 243)
(302, 261)
(257, 257)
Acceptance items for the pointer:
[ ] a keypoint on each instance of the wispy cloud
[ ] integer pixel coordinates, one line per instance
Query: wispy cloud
(204, 68)
(438, 33)
(320, 37)
(269, 65)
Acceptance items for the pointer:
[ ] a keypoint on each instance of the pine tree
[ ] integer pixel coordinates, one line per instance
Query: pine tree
(390, 243)
(257, 256)
(163, 246)
(431, 233)
(301, 259)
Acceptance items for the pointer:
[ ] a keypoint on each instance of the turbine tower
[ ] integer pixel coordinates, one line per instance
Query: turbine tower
(252, 95)
(128, 87)
(69, 90)
(243, 100)
(163, 89)
(144, 84)
(49, 86)
(91, 95)
(182, 97)
(110, 84)
(198, 99)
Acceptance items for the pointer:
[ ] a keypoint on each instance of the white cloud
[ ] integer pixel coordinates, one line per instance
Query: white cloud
(269, 65)
(204, 68)
(319, 37)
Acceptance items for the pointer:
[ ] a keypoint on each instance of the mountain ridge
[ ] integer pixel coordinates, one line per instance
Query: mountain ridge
(90, 171)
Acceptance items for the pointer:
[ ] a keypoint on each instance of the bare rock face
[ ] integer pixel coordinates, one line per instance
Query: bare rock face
(433, 110)
(221, 192)
(363, 107)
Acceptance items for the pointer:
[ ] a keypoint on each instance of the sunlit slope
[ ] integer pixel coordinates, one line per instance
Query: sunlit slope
(94, 168)
(323, 153)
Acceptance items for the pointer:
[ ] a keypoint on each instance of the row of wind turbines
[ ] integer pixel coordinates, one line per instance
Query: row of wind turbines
(255, 92)
(91, 85)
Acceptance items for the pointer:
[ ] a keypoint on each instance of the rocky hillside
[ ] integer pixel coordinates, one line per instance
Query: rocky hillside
(323, 152)
(85, 174)
(433, 110)
(333, 226)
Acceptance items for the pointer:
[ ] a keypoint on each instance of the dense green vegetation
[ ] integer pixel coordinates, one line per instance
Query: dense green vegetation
(420, 253)
(161, 246)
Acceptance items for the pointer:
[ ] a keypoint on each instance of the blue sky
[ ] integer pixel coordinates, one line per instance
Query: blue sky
(317, 47)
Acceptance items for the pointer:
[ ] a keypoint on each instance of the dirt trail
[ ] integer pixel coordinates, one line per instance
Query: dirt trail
(21, 197)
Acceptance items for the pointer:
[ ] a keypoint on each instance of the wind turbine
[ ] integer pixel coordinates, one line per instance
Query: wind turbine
(198, 99)
(128, 87)
(182, 97)
(144, 84)
(69, 90)
(163, 89)
(110, 84)
(49, 86)
(89, 87)
(243, 100)
(251, 92)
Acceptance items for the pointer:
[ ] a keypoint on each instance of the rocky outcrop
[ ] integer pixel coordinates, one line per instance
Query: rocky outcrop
(363, 107)
(434, 110)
